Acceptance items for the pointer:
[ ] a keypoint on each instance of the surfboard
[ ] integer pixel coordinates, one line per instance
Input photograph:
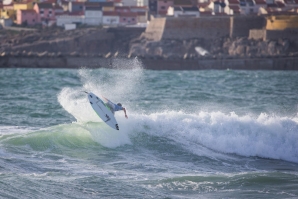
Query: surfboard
(103, 111)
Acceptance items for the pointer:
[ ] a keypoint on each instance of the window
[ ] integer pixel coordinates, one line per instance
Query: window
(50, 11)
(132, 19)
(124, 19)
(41, 12)
(162, 7)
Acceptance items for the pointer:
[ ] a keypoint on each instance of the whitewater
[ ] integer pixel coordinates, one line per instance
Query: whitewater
(189, 134)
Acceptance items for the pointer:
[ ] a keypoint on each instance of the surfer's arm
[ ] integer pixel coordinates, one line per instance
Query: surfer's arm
(125, 112)
(105, 98)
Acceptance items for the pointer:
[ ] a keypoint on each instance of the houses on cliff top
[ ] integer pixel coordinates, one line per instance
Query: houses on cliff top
(131, 12)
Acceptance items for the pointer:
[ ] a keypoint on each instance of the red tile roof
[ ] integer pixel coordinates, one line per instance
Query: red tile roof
(234, 7)
(203, 5)
(260, 2)
(127, 14)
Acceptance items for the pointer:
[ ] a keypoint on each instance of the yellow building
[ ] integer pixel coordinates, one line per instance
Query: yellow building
(8, 14)
(282, 22)
(23, 6)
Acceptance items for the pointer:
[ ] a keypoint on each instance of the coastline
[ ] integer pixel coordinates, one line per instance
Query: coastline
(76, 61)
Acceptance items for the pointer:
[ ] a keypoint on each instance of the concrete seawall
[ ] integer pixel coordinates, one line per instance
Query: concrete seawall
(275, 63)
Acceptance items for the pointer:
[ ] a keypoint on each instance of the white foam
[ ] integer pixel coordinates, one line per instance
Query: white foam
(265, 136)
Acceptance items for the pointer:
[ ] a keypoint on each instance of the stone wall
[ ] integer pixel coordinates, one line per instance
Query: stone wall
(290, 34)
(257, 34)
(241, 25)
(282, 22)
(155, 28)
(202, 27)
(187, 28)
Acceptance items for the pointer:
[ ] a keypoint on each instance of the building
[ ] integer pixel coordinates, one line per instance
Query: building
(134, 2)
(27, 17)
(6, 22)
(8, 12)
(152, 4)
(178, 11)
(128, 18)
(23, 6)
(110, 18)
(68, 18)
(46, 13)
(93, 16)
(76, 7)
(233, 7)
(247, 7)
(163, 6)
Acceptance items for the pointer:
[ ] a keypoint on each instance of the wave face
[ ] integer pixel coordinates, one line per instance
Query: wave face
(190, 134)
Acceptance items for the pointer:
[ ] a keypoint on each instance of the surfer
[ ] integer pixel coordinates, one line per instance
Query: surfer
(115, 107)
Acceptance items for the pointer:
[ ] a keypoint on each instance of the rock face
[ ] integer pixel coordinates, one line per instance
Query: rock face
(219, 47)
(130, 42)
(85, 41)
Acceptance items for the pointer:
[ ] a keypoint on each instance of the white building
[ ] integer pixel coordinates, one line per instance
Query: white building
(178, 11)
(135, 2)
(93, 16)
(67, 18)
(110, 18)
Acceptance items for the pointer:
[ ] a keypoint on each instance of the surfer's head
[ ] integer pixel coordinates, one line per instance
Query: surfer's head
(119, 104)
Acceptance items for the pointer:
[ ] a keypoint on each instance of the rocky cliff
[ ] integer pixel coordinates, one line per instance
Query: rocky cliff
(84, 41)
(130, 42)
(223, 47)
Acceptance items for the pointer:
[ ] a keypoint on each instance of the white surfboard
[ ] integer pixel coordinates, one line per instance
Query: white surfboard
(103, 111)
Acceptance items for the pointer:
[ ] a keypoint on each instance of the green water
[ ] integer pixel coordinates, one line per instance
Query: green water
(189, 134)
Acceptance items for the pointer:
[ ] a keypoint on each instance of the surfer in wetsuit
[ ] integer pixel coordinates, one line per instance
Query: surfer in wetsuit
(115, 107)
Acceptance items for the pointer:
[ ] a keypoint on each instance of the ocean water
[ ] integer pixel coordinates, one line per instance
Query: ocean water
(189, 134)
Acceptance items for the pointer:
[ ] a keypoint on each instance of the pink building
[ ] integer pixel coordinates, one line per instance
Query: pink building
(46, 12)
(27, 17)
(128, 18)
